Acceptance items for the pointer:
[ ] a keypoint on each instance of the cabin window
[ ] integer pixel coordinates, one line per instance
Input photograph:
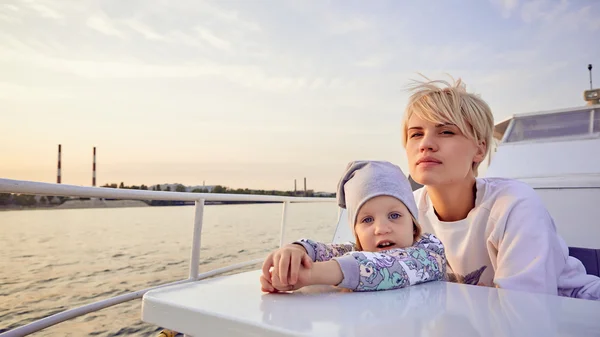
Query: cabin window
(597, 120)
(551, 126)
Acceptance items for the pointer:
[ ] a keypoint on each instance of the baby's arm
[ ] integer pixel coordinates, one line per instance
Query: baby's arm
(319, 251)
(395, 268)
(289, 260)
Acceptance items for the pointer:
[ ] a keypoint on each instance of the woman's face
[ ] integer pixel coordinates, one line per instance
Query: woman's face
(439, 154)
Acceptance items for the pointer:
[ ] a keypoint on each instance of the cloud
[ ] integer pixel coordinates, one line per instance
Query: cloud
(517, 56)
(212, 39)
(346, 26)
(43, 10)
(444, 54)
(556, 13)
(522, 76)
(184, 38)
(586, 16)
(6, 16)
(14, 43)
(11, 7)
(251, 76)
(542, 10)
(232, 18)
(103, 25)
(11, 91)
(374, 61)
(507, 7)
(143, 29)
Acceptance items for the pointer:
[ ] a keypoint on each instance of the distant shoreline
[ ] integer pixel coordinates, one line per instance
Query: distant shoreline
(97, 203)
(79, 204)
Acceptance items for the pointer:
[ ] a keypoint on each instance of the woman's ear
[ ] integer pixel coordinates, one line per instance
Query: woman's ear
(481, 151)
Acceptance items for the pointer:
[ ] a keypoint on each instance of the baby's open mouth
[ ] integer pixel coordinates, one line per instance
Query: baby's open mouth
(385, 244)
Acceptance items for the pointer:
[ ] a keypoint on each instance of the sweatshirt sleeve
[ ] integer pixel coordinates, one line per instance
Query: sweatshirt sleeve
(530, 254)
(395, 268)
(325, 251)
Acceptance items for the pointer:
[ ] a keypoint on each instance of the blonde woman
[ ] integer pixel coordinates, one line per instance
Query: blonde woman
(496, 231)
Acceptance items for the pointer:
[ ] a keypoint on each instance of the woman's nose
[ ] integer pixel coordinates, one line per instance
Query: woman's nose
(427, 143)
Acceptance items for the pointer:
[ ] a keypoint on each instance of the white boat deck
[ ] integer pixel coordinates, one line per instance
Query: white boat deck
(235, 306)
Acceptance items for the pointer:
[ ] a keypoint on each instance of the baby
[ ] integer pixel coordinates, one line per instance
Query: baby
(390, 252)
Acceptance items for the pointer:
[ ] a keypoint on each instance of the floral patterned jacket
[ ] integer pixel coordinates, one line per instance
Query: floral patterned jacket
(391, 269)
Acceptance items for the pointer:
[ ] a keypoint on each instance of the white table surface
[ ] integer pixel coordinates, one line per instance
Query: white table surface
(235, 306)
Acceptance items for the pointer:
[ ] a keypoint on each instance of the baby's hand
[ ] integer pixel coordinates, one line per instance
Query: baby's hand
(325, 273)
(286, 263)
(265, 285)
(304, 279)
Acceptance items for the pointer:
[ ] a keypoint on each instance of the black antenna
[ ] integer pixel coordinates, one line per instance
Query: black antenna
(590, 69)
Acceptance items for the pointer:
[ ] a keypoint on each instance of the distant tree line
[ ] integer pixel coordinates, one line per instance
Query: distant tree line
(215, 189)
(218, 189)
(25, 200)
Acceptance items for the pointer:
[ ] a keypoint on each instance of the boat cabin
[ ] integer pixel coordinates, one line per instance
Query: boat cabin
(558, 154)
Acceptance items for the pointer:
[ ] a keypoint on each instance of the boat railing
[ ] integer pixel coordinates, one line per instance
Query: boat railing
(199, 199)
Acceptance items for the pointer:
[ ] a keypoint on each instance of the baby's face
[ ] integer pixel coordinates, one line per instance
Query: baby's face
(384, 223)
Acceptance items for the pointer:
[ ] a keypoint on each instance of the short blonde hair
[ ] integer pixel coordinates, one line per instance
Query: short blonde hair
(417, 231)
(438, 101)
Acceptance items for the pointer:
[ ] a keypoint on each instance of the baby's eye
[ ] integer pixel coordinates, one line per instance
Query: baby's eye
(395, 216)
(367, 219)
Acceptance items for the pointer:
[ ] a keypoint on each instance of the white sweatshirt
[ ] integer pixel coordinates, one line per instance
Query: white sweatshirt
(508, 240)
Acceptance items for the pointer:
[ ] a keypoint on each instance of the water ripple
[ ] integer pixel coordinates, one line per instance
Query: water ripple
(54, 260)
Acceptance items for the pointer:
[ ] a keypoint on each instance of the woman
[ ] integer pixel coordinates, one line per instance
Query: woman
(496, 231)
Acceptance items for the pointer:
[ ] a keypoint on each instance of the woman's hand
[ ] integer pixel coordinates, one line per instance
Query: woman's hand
(286, 262)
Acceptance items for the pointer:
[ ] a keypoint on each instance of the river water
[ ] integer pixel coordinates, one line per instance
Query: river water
(53, 260)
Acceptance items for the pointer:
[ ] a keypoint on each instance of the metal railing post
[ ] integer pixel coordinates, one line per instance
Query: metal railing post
(283, 223)
(195, 257)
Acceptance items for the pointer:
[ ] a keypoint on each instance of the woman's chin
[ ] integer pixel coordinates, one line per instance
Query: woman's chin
(428, 179)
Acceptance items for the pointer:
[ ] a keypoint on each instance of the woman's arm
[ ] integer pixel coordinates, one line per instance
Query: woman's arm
(530, 254)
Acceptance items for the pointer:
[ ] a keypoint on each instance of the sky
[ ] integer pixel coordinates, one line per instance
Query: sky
(255, 94)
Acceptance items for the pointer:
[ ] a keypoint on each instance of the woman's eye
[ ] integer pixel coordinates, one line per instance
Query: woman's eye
(395, 216)
(416, 134)
(447, 132)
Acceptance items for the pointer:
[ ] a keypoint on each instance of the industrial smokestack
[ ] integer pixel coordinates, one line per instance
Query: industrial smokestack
(94, 169)
(304, 186)
(58, 170)
(294, 186)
